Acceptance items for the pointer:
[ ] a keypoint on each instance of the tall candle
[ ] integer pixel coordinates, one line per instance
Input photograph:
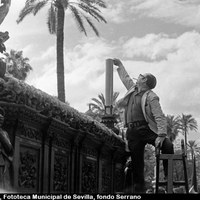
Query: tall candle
(109, 82)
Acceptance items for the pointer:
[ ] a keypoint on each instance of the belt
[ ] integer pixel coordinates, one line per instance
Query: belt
(137, 124)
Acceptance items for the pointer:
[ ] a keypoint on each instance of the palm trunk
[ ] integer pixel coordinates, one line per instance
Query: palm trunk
(185, 142)
(60, 52)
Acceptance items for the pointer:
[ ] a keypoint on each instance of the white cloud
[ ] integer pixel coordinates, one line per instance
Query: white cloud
(115, 12)
(84, 71)
(46, 82)
(181, 12)
(151, 46)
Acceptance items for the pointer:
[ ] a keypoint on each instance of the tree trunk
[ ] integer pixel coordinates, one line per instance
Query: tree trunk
(60, 53)
(185, 142)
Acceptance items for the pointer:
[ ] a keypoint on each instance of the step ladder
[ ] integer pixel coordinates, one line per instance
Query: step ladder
(169, 183)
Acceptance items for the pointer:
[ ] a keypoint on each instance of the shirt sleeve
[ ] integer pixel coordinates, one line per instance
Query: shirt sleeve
(125, 78)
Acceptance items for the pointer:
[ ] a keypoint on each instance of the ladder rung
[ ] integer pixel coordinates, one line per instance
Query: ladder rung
(170, 156)
(175, 183)
(162, 183)
(178, 183)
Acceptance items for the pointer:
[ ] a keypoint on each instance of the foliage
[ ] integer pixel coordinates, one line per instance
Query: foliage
(16, 92)
(97, 107)
(172, 127)
(150, 162)
(193, 147)
(81, 10)
(187, 122)
(17, 65)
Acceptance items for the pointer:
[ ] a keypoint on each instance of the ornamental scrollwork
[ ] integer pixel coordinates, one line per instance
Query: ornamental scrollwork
(119, 176)
(106, 178)
(60, 179)
(89, 179)
(89, 151)
(28, 169)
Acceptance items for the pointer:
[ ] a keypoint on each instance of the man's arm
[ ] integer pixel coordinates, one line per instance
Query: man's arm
(125, 78)
(160, 119)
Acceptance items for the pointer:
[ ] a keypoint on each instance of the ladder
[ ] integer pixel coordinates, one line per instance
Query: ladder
(171, 158)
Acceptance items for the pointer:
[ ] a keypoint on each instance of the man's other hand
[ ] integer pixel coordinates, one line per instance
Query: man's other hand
(159, 141)
(117, 62)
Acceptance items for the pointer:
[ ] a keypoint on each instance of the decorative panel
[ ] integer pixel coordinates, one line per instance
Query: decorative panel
(61, 173)
(89, 176)
(106, 177)
(28, 172)
(119, 177)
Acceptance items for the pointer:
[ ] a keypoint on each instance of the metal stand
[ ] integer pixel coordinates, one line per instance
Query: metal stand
(109, 120)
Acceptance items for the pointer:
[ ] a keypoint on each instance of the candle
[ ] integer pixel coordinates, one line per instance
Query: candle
(109, 82)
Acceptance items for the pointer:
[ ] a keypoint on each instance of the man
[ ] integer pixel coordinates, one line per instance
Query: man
(144, 120)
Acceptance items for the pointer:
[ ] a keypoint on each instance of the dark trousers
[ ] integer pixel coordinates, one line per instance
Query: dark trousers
(137, 139)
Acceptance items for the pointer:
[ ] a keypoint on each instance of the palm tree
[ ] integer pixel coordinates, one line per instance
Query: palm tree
(172, 127)
(97, 107)
(187, 122)
(17, 65)
(194, 148)
(80, 9)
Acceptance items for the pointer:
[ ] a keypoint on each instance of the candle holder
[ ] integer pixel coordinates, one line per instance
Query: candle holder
(109, 119)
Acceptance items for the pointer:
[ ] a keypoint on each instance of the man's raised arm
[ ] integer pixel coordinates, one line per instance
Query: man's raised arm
(125, 78)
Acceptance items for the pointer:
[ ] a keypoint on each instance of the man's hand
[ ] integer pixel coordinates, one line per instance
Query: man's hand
(159, 141)
(117, 62)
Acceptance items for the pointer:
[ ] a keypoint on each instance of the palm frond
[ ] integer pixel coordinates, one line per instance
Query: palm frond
(28, 9)
(89, 6)
(102, 98)
(39, 6)
(92, 26)
(93, 105)
(97, 102)
(30, 1)
(100, 3)
(51, 20)
(115, 96)
(93, 12)
(78, 18)
(193, 127)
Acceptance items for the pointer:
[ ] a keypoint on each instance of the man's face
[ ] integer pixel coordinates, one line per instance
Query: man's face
(141, 80)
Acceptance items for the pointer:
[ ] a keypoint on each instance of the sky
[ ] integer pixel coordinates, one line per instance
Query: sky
(156, 36)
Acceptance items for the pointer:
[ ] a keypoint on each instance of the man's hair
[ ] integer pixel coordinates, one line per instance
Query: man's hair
(151, 80)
